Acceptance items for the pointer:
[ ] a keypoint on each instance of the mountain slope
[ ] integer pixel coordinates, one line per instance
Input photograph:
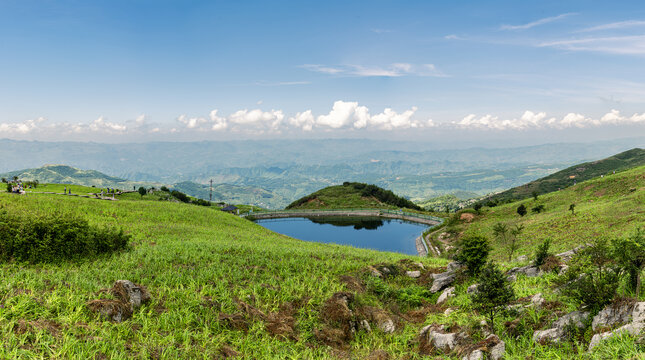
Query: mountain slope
(63, 174)
(572, 175)
(352, 195)
(612, 206)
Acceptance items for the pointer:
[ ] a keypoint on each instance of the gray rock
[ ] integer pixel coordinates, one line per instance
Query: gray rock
(442, 280)
(131, 293)
(365, 325)
(413, 274)
(454, 265)
(632, 329)
(528, 271)
(522, 258)
(446, 294)
(475, 355)
(497, 351)
(537, 300)
(555, 334)
(568, 255)
(613, 315)
(448, 311)
(472, 289)
(443, 342)
(374, 272)
(550, 335)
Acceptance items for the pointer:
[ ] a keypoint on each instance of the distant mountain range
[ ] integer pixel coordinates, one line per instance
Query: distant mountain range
(273, 173)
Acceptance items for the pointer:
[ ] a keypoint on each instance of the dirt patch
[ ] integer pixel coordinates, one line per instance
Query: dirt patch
(419, 315)
(378, 355)
(467, 217)
(352, 283)
(338, 319)
(316, 201)
(426, 276)
(599, 193)
(114, 310)
(551, 263)
(234, 321)
(228, 352)
(24, 326)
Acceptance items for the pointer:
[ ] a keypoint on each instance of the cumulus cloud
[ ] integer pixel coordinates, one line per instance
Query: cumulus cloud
(24, 127)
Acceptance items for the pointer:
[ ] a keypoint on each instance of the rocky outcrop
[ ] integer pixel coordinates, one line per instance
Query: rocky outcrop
(528, 271)
(445, 279)
(558, 331)
(568, 255)
(129, 297)
(490, 348)
(440, 340)
(413, 274)
(446, 294)
(631, 315)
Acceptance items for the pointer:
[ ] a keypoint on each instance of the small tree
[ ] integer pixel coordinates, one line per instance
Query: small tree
(521, 210)
(572, 208)
(630, 255)
(473, 252)
(493, 293)
(9, 187)
(542, 253)
(142, 191)
(538, 209)
(477, 207)
(500, 231)
(514, 244)
(535, 195)
(4, 180)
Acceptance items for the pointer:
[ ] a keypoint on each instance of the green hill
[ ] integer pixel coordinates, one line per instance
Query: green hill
(611, 206)
(352, 195)
(221, 285)
(63, 174)
(572, 175)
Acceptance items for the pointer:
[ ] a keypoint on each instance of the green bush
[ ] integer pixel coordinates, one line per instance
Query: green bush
(54, 238)
(542, 253)
(180, 196)
(201, 202)
(472, 251)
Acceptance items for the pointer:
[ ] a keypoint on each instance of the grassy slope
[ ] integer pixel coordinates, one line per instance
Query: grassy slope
(585, 171)
(192, 258)
(63, 174)
(611, 206)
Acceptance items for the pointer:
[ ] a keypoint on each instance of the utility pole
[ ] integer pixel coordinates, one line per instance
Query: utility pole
(210, 196)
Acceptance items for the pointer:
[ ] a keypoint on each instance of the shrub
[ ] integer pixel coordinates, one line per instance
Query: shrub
(201, 202)
(473, 252)
(180, 196)
(542, 253)
(592, 278)
(9, 188)
(163, 188)
(142, 191)
(55, 237)
(538, 209)
(629, 254)
(493, 293)
(521, 210)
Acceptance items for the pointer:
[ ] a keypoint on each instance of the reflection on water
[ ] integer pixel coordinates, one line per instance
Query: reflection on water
(364, 232)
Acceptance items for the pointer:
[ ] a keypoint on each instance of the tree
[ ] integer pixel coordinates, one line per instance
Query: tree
(629, 254)
(9, 187)
(572, 208)
(542, 253)
(473, 252)
(493, 293)
(514, 244)
(521, 210)
(142, 191)
(4, 180)
(500, 230)
(477, 207)
(538, 209)
(535, 195)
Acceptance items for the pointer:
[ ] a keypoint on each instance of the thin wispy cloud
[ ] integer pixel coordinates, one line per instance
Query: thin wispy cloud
(382, 31)
(282, 83)
(453, 37)
(392, 70)
(536, 23)
(623, 45)
(616, 25)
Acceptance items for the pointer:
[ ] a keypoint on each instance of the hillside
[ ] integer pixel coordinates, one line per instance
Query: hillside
(63, 174)
(352, 195)
(572, 175)
(233, 194)
(269, 296)
(611, 206)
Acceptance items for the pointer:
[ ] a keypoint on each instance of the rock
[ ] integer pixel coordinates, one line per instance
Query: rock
(563, 268)
(522, 258)
(472, 289)
(497, 351)
(555, 334)
(619, 314)
(374, 272)
(131, 293)
(364, 325)
(448, 293)
(568, 255)
(420, 265)
(448, 311)
(475, 355)
(380, 318)
(115, 310)
(443, 280)
(453, 265)
(632, 329)
(443, 342)
(413, 274)
(387, 326)
(528, 271)
(537, 300)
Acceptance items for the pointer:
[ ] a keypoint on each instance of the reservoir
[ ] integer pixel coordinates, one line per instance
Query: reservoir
(363, 232)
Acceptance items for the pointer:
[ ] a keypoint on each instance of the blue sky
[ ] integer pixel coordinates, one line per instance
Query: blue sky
(184, 70)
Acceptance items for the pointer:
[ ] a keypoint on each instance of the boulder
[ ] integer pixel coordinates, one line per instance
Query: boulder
(555, 334)
(438, 339)
(632, 329)
(537, 300)
(374, 272)
(472, 289)
(493, 346)
(618, 314)
(454, 265)
(522, 258)
(413, 274)
(442, 280)
(568, 255)
(475, 355)
(497, 351)
(448, 293)
(528, 271)
(129, 297)
(129, 292)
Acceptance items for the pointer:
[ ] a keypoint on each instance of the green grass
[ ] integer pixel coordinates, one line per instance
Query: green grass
(196, 261)
(612, 206)
(351, 195)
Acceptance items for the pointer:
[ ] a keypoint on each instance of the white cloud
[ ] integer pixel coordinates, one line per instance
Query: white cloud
(219, 123)
(392, 70)
(24, 127)
(615, 25)
(453, 37)
(304, 120)
(624, 45)
(535, 23)
(341, 115)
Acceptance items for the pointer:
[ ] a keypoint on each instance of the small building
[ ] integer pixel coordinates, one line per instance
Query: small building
(231, 209)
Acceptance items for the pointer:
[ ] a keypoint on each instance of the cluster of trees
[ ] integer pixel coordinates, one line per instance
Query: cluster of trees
(382, 195)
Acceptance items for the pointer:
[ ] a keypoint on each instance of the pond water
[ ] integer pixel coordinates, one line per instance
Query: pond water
(371, 233)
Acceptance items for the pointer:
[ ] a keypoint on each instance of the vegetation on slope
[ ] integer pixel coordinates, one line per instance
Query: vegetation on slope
(609, 206)
(352, 195)
(572, 175)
